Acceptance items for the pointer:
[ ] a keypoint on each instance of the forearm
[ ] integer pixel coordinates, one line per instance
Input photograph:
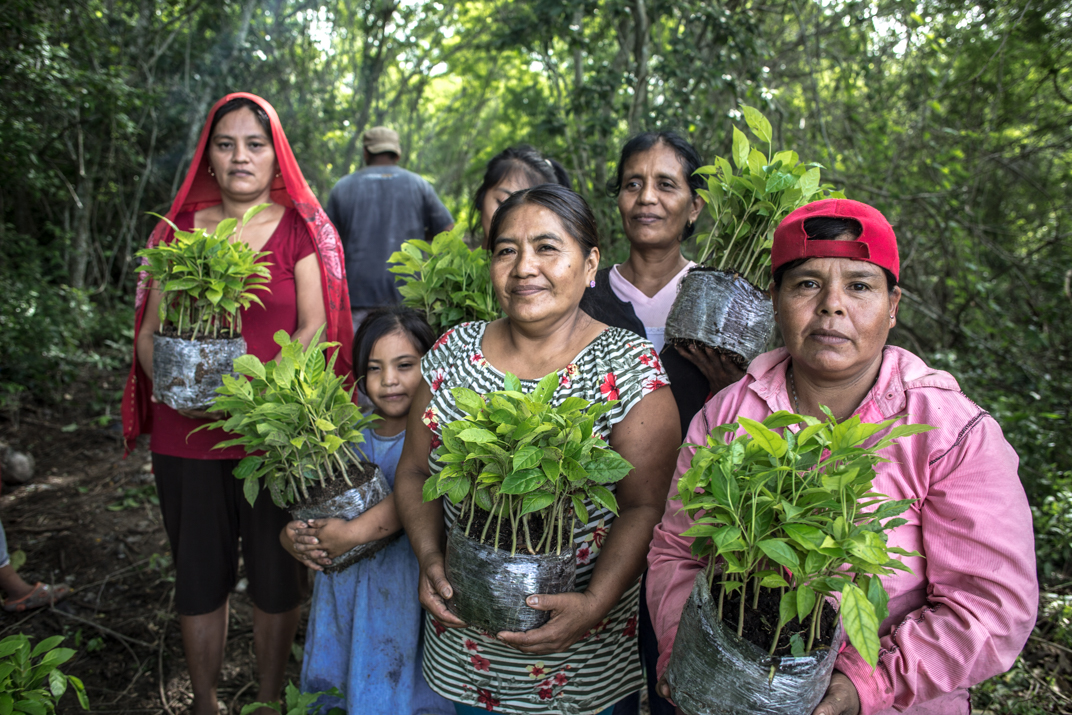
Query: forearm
(379, 522)
(422, 521)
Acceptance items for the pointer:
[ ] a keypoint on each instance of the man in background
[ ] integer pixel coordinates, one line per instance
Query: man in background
(375, 209)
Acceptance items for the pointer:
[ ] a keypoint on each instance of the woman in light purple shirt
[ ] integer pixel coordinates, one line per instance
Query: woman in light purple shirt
(965, 611)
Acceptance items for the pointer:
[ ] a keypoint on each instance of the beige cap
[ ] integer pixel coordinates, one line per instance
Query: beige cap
(380, 139)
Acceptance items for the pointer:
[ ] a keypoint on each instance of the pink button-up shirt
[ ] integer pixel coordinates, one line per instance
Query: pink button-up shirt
(969, 606)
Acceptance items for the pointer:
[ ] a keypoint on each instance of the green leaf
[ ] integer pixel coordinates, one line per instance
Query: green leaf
(47, 645)
(57, 683)
(536, 502)
(860, 622)
(805, 602)
(787, 609)
(325, 425)
(467, 400)
(477, 434)
(249, 366)
(768, 440)
(527, 457)
(546, 388)
(522, 482)
(809, 183)
(579, 508)
(512, 383)
(251, 488)
(603, 497)
(740, 148)
(757, 123)
(781, 553)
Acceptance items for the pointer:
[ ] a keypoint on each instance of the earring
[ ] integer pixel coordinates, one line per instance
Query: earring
(592, 284)
(278, 174)
(210, 171)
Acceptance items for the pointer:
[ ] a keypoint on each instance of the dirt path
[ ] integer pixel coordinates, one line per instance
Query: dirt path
(89, 519)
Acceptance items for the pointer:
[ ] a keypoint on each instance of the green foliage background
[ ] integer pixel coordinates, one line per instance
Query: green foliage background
(953, 118)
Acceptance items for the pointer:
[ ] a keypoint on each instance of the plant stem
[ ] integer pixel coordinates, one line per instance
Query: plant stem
(498, 525)
(778, 630)
(513, 530)
(755, 594)
(740, 613)
(491, 515)
(559, 552)
(815, 614)
(528, 536)
(721, 597)
(472, 510)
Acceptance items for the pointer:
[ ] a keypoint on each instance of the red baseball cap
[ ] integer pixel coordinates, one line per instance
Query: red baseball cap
(877, 244)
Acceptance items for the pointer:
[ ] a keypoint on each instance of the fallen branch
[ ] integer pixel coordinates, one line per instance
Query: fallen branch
(103, 629)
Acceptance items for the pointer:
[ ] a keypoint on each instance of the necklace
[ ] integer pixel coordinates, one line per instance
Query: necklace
(793, 388)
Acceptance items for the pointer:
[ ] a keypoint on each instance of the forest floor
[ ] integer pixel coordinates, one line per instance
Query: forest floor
(88, 518)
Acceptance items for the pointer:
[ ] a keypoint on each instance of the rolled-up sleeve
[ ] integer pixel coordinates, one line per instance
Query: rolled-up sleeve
(671, 566)
(982, 592)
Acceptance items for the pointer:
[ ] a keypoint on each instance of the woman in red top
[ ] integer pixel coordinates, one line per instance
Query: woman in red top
(243, 160)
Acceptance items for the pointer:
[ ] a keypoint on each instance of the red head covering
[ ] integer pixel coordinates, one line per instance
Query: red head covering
(877, 244)
(289, 189)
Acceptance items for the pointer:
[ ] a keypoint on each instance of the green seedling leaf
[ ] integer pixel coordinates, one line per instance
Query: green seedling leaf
(787, 608)
(768, 440)
(781, 553)
(741, 148)
(536, 502)
(860, 622)
(759, 124)
(476, 434)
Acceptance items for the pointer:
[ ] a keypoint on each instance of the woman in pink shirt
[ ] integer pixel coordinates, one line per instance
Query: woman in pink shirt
(968, 606)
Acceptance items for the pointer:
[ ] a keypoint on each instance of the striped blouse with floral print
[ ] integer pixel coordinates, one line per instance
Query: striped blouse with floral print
(471, 667)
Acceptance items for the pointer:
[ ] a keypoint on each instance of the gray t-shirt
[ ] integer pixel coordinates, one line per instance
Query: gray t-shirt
(375, 210)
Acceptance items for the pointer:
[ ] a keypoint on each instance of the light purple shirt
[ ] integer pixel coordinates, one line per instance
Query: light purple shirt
(651, 311)
(967, 609)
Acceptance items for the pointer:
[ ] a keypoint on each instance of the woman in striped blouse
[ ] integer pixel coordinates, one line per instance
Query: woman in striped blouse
(544, 253)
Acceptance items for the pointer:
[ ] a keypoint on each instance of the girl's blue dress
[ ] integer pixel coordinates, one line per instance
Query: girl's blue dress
(364, 635)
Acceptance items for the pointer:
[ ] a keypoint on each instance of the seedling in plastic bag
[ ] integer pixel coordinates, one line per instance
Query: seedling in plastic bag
(298, 413)
(207, 278)
(515, 456)
(796, 512)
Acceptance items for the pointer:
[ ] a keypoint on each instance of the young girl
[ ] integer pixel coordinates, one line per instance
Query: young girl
(364, 634)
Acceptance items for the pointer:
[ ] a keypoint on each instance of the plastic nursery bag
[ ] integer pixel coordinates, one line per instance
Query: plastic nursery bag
(490, 586)
(723, 310)
(186, 373)
(349, 505)
(713, 671)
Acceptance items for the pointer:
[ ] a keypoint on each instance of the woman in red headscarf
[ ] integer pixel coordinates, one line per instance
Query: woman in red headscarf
(242, 160)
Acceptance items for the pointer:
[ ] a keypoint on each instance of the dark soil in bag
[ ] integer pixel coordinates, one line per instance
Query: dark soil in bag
(186, 373)
(712, 671)
(722, 310)
(339, 500)
(490, 586)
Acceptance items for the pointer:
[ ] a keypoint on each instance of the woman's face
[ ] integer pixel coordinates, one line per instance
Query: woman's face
(241, 156)
(511, 183)
(655, 200)
(393, 374)
(835, 315)
(537, 268)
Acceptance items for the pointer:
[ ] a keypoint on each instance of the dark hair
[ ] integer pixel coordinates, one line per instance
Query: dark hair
(828, 228)
(383, 321)
(522, 158)
(686, 154)
(243, 103)
(573, 210)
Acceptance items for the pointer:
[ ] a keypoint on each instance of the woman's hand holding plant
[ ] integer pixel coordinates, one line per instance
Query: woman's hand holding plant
(841, 697)
(572, 616)
(434, 589)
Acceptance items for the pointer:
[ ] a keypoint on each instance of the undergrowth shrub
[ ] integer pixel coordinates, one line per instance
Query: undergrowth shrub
(50, 332)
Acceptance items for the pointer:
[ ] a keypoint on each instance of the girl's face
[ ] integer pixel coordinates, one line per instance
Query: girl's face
(393, 374)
